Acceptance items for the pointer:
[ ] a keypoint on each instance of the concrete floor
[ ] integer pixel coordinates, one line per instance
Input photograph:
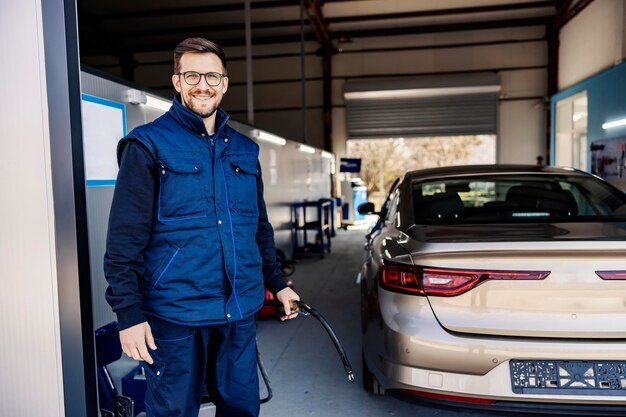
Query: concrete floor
(306, 374)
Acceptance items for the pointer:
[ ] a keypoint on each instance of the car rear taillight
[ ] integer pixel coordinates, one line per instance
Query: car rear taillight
(445, 281)
(614, 275)
(400, 279)
(437, 281)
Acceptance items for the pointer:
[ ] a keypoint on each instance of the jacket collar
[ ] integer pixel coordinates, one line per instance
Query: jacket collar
(192, 121)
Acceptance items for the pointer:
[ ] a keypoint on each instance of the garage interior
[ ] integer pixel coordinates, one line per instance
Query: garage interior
(292, 69)
(541, 76)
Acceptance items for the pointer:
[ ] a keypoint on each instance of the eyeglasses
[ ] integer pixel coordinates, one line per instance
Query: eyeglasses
(213, 79)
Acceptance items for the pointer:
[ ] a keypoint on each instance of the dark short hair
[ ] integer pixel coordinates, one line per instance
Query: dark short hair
(195, 46)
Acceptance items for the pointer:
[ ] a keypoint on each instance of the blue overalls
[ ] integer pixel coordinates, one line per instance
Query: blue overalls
(228, 354)
(197, 272)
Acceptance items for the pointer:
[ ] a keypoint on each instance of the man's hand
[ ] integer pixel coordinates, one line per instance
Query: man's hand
(134, 340)
(285, 296)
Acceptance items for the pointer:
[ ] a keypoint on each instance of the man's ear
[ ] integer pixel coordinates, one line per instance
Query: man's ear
(176, 82)
(224, 85)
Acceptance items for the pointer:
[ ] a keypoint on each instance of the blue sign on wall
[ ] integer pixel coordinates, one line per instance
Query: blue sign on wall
(350, 165)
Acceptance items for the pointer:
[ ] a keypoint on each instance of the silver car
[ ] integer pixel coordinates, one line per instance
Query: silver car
(500, 287)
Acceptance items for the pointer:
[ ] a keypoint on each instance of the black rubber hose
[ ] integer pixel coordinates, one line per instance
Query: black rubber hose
(313, 312)
(266, 378)
(331, 333)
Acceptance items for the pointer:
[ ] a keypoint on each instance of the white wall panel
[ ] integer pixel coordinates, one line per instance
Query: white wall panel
(591, 42)
(524, 83)
(445, 38)
(440, 60)
(522, 133)
(30, 359)
(339, 131)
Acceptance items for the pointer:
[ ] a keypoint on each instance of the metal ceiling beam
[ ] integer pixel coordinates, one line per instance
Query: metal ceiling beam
(95, 46)
(318, 22)
(314, 11)
(327, 50)
(552, 36)
(570, 13)
(353, 51)
(447, 12)
(447, 27)
(169, 12)
(214, 27)
(562, 8)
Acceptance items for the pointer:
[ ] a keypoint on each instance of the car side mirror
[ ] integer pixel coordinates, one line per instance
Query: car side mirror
(366, 208)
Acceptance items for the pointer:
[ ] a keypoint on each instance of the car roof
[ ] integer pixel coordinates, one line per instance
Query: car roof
(491, 169)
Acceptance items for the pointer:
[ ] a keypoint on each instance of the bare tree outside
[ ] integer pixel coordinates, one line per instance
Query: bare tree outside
(385, 159)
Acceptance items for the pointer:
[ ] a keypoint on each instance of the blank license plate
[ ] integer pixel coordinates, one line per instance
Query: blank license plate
(568, 377)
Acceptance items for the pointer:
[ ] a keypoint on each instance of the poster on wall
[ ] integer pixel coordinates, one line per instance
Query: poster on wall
(608, 160)
(104, 124)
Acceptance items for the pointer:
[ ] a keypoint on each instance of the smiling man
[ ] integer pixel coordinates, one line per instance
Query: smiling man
(190, 248)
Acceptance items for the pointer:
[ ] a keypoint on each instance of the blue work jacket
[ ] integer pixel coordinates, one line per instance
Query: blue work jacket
(209, 249)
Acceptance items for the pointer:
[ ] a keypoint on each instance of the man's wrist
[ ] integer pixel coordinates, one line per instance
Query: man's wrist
(276, 284)
(129, 317)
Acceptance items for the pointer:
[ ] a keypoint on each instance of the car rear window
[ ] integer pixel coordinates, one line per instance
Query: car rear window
(516, 198)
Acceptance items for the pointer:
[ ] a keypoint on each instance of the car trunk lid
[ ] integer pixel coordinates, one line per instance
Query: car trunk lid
(571, 302)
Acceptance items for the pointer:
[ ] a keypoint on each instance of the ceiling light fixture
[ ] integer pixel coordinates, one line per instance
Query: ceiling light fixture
(158, 103)
(326, 154)
(134, 96)
(615, 123)
(306, 149)
(419, 92)
(267, 137)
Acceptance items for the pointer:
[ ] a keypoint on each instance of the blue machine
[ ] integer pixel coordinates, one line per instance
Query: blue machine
(353, 193)
(359, 197)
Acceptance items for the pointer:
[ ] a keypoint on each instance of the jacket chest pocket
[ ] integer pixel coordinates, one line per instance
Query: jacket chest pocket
(181, 189)
(241, 177)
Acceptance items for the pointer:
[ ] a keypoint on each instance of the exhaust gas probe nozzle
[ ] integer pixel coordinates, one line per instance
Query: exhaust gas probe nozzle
(306, 310)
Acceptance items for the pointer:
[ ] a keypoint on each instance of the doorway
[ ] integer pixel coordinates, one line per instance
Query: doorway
(571, 132)
(383, 160)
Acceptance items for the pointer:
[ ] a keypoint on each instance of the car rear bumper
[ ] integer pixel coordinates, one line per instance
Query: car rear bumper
(409, 350)
(515, 407)
(477, 390)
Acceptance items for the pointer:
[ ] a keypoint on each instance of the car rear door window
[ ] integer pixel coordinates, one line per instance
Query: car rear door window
(512, 198)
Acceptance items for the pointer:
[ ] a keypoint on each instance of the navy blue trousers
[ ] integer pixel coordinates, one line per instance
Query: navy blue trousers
(220, 357)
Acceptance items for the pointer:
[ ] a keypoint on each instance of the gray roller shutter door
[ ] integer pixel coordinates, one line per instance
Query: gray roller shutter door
(423, 106)
(470, 114)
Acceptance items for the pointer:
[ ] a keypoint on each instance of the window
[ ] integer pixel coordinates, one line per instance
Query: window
(571, 132)
(516, 198)
(392, 206)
